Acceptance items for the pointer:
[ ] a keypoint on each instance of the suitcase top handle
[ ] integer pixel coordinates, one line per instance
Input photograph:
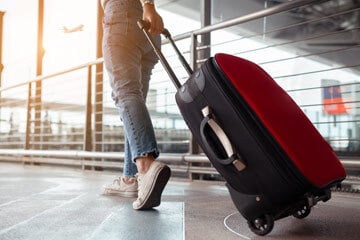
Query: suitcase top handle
(146, 26)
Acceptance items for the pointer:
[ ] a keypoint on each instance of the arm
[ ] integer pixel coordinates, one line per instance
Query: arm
(151, 15)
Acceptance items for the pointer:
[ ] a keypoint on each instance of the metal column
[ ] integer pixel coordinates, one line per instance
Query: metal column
(1, 65)
(98, 112)
(1, 38)
(205, 21)
(34, 100)
(37, 101)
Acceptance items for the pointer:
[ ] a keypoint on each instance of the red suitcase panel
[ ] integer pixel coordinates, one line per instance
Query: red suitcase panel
(287, 123)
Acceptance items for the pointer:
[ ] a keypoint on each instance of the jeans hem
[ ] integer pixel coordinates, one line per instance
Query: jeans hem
(154, 153)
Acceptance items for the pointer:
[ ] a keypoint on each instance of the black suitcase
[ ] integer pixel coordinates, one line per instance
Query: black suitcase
(274, 161)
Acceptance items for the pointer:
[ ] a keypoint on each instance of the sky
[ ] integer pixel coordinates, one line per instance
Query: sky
(61, 50)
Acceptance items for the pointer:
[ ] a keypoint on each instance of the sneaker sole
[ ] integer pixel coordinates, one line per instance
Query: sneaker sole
(154, 198)
(108, 191)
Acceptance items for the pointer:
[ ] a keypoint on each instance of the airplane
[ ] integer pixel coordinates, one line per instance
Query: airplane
(74, 29)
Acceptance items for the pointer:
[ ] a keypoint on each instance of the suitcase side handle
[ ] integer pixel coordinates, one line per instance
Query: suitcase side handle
(144, 26)
(232, 157)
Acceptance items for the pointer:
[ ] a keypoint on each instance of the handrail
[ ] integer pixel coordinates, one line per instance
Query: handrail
(43, 77)
(246, 18)
(347, 162)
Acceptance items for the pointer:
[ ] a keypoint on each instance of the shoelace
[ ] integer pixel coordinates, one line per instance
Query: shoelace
(117, 181)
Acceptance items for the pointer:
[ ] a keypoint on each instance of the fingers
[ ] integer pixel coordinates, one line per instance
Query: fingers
(156, 27)
(155, 20)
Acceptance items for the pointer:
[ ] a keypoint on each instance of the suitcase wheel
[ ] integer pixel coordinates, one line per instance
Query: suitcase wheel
(262, 225)
(303, 212)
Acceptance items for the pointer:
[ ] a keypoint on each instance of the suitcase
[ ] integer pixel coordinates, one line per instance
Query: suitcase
(274, 161)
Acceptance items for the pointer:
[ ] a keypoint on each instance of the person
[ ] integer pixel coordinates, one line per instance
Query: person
(129, 60)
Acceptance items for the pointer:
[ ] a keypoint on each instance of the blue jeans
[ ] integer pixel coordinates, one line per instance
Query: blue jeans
(129, 60)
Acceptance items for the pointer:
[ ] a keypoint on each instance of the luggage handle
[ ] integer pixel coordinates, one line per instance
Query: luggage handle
(144, 26)
(232, 157)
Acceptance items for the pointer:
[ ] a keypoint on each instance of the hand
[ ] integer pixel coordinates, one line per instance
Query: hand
(150, 15)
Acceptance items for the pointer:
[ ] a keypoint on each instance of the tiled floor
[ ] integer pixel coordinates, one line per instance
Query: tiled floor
(38, 202)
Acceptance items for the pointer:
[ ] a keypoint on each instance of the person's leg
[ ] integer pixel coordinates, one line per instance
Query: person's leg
(127, 185)
(123, 67)
(129, 169)
(148, 63)
(128, 96)
(124, 47)
(153, 175)
(116, 44)
(129, 60)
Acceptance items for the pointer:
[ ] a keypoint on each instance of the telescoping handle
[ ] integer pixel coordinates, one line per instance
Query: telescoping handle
(232, 156)
(144, 26)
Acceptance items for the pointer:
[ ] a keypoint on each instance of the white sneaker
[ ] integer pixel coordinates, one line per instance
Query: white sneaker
(121, 188)
(151, 186)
